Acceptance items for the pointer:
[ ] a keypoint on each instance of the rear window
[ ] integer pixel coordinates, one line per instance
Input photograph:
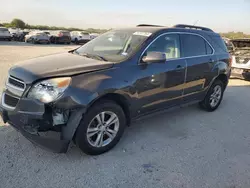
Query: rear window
(4, 29)
(65, 33)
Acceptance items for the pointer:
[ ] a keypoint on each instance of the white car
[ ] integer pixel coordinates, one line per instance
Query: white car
(5, 34)
(240, 58)
(80, 37)
(93, 35)
(37, 37)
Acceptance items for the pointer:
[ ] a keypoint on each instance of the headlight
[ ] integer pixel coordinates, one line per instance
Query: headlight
(48, 91)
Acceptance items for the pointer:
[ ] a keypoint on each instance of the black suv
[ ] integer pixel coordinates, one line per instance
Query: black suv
(89, 95)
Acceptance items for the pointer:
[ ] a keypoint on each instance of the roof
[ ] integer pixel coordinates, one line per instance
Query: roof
(176, 28)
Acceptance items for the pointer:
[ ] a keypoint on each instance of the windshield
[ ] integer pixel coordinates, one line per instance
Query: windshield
(114, 46)
(84, 33)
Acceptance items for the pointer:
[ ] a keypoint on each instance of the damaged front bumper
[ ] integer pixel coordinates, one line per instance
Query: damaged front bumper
(34, 121)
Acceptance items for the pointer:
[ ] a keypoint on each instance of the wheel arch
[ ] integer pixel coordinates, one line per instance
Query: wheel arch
(223, 78)
(118, 99)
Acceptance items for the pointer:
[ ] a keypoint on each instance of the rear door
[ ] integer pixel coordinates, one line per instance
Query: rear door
(200, 58)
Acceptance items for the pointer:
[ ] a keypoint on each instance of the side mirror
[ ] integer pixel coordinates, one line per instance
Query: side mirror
(154, 57)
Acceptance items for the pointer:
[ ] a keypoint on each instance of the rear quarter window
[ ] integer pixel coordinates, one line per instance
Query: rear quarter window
(219, 44)
(193, 45)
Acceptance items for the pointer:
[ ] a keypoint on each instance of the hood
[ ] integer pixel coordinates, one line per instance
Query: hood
(65, 64)
(241, 43)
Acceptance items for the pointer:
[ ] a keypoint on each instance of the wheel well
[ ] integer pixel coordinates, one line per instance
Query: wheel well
(223, 78)
(118, 99)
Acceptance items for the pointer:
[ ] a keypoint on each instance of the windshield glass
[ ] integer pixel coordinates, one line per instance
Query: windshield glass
(84, 33)
(114, 46)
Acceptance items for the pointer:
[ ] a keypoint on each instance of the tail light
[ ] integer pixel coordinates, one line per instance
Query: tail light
(230, 60)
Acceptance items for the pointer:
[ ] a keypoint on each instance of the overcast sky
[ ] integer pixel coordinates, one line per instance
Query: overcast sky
(220, 15)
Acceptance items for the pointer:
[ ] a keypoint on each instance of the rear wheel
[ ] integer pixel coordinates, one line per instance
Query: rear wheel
(213, 97)
(101, 128)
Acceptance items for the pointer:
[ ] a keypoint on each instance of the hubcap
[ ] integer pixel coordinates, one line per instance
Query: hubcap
(215, 96)
(102, 129)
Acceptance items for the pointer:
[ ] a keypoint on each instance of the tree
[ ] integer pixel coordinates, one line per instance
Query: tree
(18, 23)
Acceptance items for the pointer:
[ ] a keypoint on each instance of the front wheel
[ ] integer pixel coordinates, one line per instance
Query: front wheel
(213, 97)
(101, 128)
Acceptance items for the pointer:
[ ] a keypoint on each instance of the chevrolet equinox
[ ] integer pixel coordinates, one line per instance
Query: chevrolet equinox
(90, 94)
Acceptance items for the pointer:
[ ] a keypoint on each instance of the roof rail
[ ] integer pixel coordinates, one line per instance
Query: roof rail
(148, 25)
(193, 27)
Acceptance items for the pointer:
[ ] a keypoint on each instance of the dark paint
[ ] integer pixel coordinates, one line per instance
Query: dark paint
(145, 87)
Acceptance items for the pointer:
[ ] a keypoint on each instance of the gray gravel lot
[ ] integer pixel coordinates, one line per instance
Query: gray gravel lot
(186, 148)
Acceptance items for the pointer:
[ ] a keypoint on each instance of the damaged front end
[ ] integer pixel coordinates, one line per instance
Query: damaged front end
(45, 124)
(241, 58)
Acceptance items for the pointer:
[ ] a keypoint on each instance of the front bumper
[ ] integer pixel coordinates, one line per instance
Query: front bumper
(240, 73)
(26, 117)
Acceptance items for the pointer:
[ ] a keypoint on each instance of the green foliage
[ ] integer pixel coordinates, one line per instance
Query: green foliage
(18, 23)
(235, 35)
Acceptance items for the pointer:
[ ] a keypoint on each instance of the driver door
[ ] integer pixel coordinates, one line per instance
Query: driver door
(160, 85)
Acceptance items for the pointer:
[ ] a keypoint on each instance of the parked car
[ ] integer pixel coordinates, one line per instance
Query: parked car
(241, 58)
(78, 37)
(89, 95)
(93, 35)
(37, 37)
(5, 34)
(60, 37)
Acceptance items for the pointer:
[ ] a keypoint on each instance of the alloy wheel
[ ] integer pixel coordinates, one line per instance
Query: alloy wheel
(102, 129)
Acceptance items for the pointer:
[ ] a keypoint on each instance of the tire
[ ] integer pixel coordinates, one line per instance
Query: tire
(68, 42)
(76, 41)
(207, 103)
(33, 41)
(90, 120)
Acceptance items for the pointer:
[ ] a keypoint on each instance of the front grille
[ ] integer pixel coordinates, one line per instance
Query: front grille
(240, 60)
(16, 83)
(10, 101)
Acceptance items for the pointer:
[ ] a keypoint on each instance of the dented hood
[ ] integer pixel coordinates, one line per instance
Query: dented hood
(65, 64)
(241, 43)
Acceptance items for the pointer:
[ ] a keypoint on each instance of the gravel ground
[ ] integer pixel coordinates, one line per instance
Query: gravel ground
(186, 148)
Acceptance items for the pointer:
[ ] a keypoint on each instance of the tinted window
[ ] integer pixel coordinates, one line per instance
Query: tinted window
(208, 48)
(193, 45)
(168, 44)
(3, 29)
(219, 44)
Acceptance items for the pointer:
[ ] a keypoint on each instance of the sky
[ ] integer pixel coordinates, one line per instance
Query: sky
(220, 15)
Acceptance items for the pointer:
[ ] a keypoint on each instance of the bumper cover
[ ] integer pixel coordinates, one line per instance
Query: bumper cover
(26, 113)
(245, 74)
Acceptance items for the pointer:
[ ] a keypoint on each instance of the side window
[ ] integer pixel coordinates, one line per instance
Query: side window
(193, 45)
(208, 48)
(168, 44)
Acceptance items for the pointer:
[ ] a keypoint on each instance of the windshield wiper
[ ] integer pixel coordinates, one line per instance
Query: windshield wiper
(93, 56)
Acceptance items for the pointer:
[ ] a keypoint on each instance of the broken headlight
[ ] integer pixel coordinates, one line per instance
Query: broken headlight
(48, 91)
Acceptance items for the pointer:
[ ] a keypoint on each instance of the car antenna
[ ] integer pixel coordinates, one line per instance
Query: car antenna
(196, 22)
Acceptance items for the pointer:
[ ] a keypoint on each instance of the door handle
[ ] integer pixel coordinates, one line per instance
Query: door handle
(179, 67)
